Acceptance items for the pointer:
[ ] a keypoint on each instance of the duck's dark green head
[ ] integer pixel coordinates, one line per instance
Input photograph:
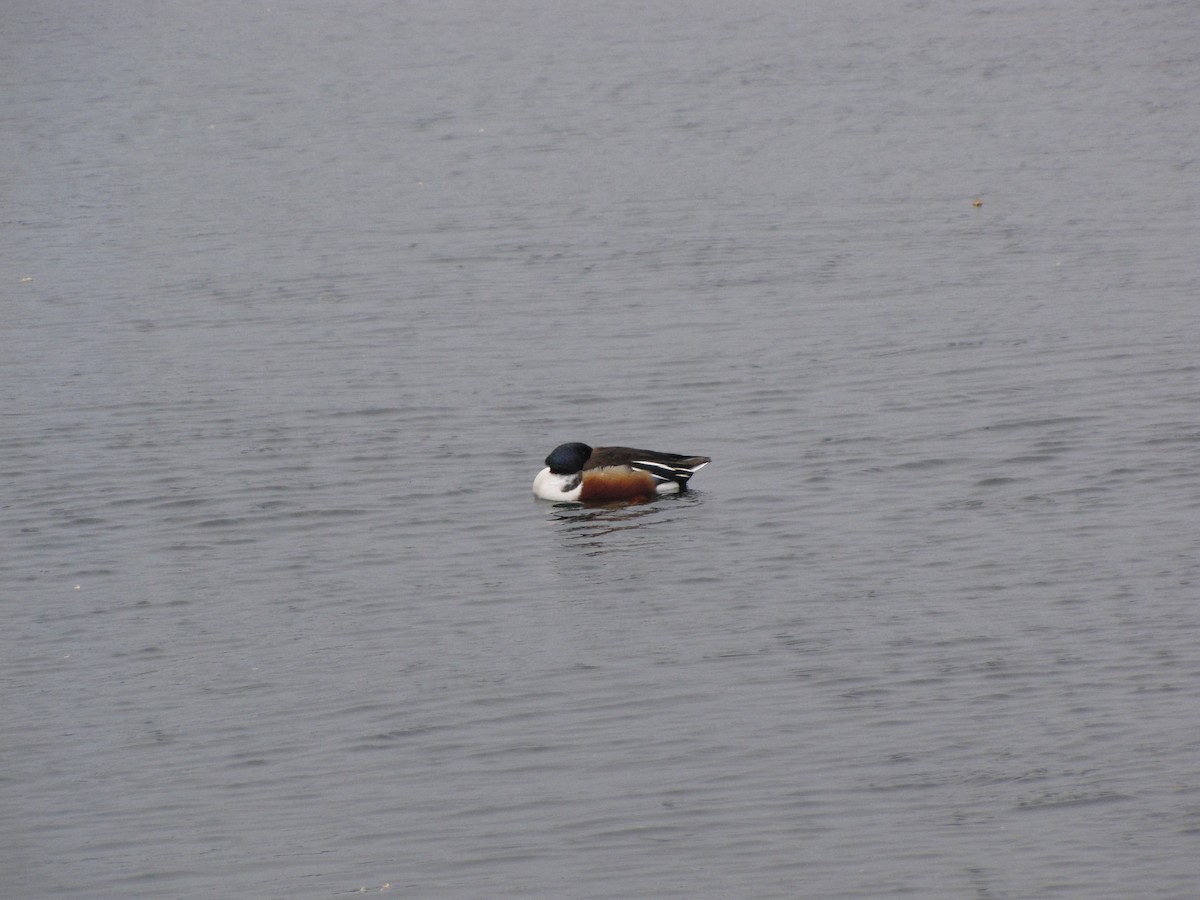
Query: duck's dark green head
(567, 459)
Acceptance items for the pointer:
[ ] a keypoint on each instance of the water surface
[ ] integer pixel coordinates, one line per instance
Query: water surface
(296, 299)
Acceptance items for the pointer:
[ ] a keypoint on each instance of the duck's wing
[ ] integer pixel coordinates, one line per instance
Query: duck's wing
(663, 466)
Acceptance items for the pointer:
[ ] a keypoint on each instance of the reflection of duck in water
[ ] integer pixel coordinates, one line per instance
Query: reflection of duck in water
(578, 472)
(613, 526)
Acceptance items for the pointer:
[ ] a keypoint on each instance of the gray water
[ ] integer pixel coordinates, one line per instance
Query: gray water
(296, 297)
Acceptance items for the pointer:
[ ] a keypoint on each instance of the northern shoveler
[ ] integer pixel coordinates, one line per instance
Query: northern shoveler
(578, 472)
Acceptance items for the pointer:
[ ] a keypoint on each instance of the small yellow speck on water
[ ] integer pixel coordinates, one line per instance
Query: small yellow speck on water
(78, 586)
(26, 279)
(977, 203)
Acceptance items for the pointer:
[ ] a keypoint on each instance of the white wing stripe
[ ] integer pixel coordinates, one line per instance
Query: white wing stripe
(664, 471)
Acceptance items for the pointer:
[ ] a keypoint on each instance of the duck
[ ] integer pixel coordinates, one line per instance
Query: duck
(577, 472)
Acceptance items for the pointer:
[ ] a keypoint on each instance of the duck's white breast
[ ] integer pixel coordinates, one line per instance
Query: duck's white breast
(549, 486)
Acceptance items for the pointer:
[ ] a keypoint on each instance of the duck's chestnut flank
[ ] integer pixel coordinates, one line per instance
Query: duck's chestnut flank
(617, 483)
